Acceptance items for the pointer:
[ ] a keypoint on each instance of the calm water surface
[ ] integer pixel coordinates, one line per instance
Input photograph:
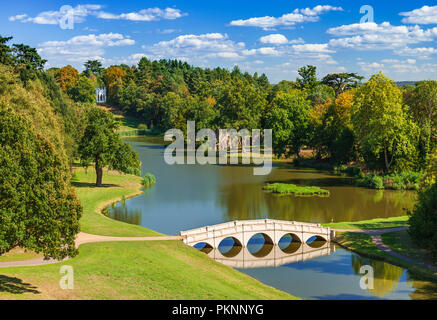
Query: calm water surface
(191, 196)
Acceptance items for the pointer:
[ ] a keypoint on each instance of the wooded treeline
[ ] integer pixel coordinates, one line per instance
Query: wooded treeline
(386, 128)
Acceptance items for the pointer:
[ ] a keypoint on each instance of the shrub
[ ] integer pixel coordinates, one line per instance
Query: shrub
(423, 219)
(398, 183)
(353, 171)
(142, 127)
(149, 179)
(39, 210)
(287, 189)
(371, 181)
(376, 182)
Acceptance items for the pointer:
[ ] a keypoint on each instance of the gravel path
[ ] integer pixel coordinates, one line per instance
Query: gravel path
(83, 238)
(376, 234)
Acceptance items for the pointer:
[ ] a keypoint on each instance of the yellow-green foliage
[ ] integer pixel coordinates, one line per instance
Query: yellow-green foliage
(31, 103)
(36, 170)
(149, 179)
(287, 189)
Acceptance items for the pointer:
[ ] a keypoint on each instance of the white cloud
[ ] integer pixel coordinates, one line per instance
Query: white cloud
(390, 61)
(80, 12)
(407, 69)
(207, 45)
(265, 51)
(151, 14)
(168, 31)
(424, 15)
(279, 39)
(419, 53)
(379, 36)
(312, 48)
(289, 19)
(370, 68)
(18, 17)
(82, 48)
(274, 39)
(226, 55)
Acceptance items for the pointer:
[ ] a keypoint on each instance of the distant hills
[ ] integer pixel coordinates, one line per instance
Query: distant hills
(405, 83)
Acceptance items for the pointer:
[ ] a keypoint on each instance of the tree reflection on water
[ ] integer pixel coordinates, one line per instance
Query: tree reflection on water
(120, 212)
(386, 276)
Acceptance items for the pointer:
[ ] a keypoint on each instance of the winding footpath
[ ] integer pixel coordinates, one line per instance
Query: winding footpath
(376, 235)
(83, 238)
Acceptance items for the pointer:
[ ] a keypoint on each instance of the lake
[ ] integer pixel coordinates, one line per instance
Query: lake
(191, 196)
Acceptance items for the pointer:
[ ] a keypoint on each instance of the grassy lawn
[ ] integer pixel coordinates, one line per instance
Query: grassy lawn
(371, 224)
(362, 244)
(136, 270)
(127, 123)
(401, 242)
(358, 242)
(95, 199)
(129, 127)
(287, 189)
(19, 254)
(130, 270)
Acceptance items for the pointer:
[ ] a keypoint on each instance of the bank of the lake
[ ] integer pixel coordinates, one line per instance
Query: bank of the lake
(362, 244)
(220, 193)
(130, 270)
(379, 223)
(398, 241)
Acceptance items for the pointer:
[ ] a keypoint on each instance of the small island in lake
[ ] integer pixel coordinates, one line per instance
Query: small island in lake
(292, 189)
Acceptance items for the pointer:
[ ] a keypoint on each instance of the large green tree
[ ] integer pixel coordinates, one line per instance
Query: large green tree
(38, 208)
(342, 82)
(423, 219)
(288, 117)
(308, 77)
(93, 67)
(385, 133)
(83, 91)
(28, 56)
(5, 50)
(422, 101)
(240, 104)
(102, 145)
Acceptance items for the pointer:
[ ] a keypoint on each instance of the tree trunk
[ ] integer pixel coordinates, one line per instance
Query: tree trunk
(387, 162)
(99, 173)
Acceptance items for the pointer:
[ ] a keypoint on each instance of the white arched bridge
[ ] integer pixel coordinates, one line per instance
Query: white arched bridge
(242, 258)
(242, 231)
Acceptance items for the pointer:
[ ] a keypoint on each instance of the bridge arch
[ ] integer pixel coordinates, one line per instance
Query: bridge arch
(289, 243)
(243, 231)
(260, 244)
(204, 247)
(316, 241)
(230, 247)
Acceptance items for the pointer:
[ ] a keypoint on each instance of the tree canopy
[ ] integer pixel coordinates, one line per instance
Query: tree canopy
(384, 131)
(93, 67)
(308, 77)
(288, 117)
(38, 208)
(342, 82)
(102, 145)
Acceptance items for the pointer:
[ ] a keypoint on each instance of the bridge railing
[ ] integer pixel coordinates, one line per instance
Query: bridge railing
(260, 225)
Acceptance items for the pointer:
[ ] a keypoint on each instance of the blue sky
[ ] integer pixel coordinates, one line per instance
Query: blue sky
(274, 37)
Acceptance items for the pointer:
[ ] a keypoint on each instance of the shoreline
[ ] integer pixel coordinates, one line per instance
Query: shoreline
(182, 262)
(380, 255)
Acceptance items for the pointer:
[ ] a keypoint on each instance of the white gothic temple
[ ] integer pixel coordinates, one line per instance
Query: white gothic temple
(101, 95)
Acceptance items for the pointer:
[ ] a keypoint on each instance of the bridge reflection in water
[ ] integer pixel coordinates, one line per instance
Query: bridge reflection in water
(261, 243)
(269, 255)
